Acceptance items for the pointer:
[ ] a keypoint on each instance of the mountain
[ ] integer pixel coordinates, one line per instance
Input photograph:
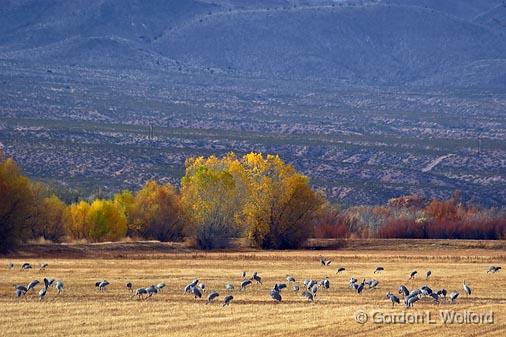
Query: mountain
(397, 43)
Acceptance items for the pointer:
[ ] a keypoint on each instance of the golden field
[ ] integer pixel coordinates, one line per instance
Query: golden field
(82, 311)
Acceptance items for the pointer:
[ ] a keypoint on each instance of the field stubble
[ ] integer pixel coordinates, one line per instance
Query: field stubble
(81, 310)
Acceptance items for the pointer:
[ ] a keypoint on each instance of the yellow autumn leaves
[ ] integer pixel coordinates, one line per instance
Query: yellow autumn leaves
(256, 197)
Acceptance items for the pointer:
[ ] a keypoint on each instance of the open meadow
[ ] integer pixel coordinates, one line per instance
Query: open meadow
(81, 310)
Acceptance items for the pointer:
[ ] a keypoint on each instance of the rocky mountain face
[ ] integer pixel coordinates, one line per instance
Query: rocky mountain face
(371, 98)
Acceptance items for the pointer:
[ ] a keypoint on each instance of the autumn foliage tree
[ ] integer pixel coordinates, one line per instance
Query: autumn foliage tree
(213, 194)
(52, 215)
(153, 212)
(18, 204)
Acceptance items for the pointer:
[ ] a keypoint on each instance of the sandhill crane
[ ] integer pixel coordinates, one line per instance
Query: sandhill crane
(10, 266)
(196, 292)
(411, 300)
(360, 287)
(415, 292)
(276, 296)
(426, 291)
(379, 269)
(325, 262)
(403, 290)
(442, 292)
(257, 278)
(129, 286)
(325, 283)
(202, 286)
(227, 300)
(340, 270)
(314, 289)
(229, 286)
(102, 285)
(453, 296)
(160, 286)
(245, 283)
(372, 284)
(31, 286)
(309, 295)
(352, 282)
(413, 274)
(47, 283)
(290, 279)
(26, 266)
(212, 296)
(243, 274)
(309, 284)
(151, 290)
(428, 274)
(42, 293)
(435, 297)
(467, 289)
(20, 292)
(43, 266)
(296, 288)
(393, 298)
(140, 292)
(59, 286)
(493, 269)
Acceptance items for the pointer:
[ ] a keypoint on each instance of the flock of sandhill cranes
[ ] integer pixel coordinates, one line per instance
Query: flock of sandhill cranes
(196, 288)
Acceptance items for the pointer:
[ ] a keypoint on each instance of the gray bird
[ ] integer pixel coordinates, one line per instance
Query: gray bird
(227, 300)
(296, 288)
(243, 274)
(102, 285)
(379, 269)
(10, 266)
(314, 289)
(429, 273)
(31, 286)
(493, 269)
(411, 300)
(467, 289)
(426, 291)
(276, 296)
(47, 283)
(196, 292)
(245, 283)
(129, 286)
(202, 286)
(140, 292)
(43, 266)
(393, 298)
(59, 286)
(290, 279)
(325, 262)
(340, 270)
(373, 284)
(212, 296)
(453, 296)
(160, 286)
(326, 283)
(42, 293)
(403, 290)
(20, 292)
(229, 286)
(442, 292)
(151, 290)
(26, 266)
(308, 295)
(360, 287)
(413, 274)
(435, 297)
(257, 278)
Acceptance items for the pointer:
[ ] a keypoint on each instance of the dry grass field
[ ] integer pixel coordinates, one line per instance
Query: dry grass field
(82, 311)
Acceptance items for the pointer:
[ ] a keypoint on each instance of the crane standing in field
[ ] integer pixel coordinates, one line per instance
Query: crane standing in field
(467, 289)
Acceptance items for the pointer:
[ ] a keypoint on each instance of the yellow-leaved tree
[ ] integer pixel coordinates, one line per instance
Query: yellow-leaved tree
(154, 212)
(213, 191)
(106, 220)
(282, 204)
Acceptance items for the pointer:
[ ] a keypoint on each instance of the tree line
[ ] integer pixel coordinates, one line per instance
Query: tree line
(255, 197)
